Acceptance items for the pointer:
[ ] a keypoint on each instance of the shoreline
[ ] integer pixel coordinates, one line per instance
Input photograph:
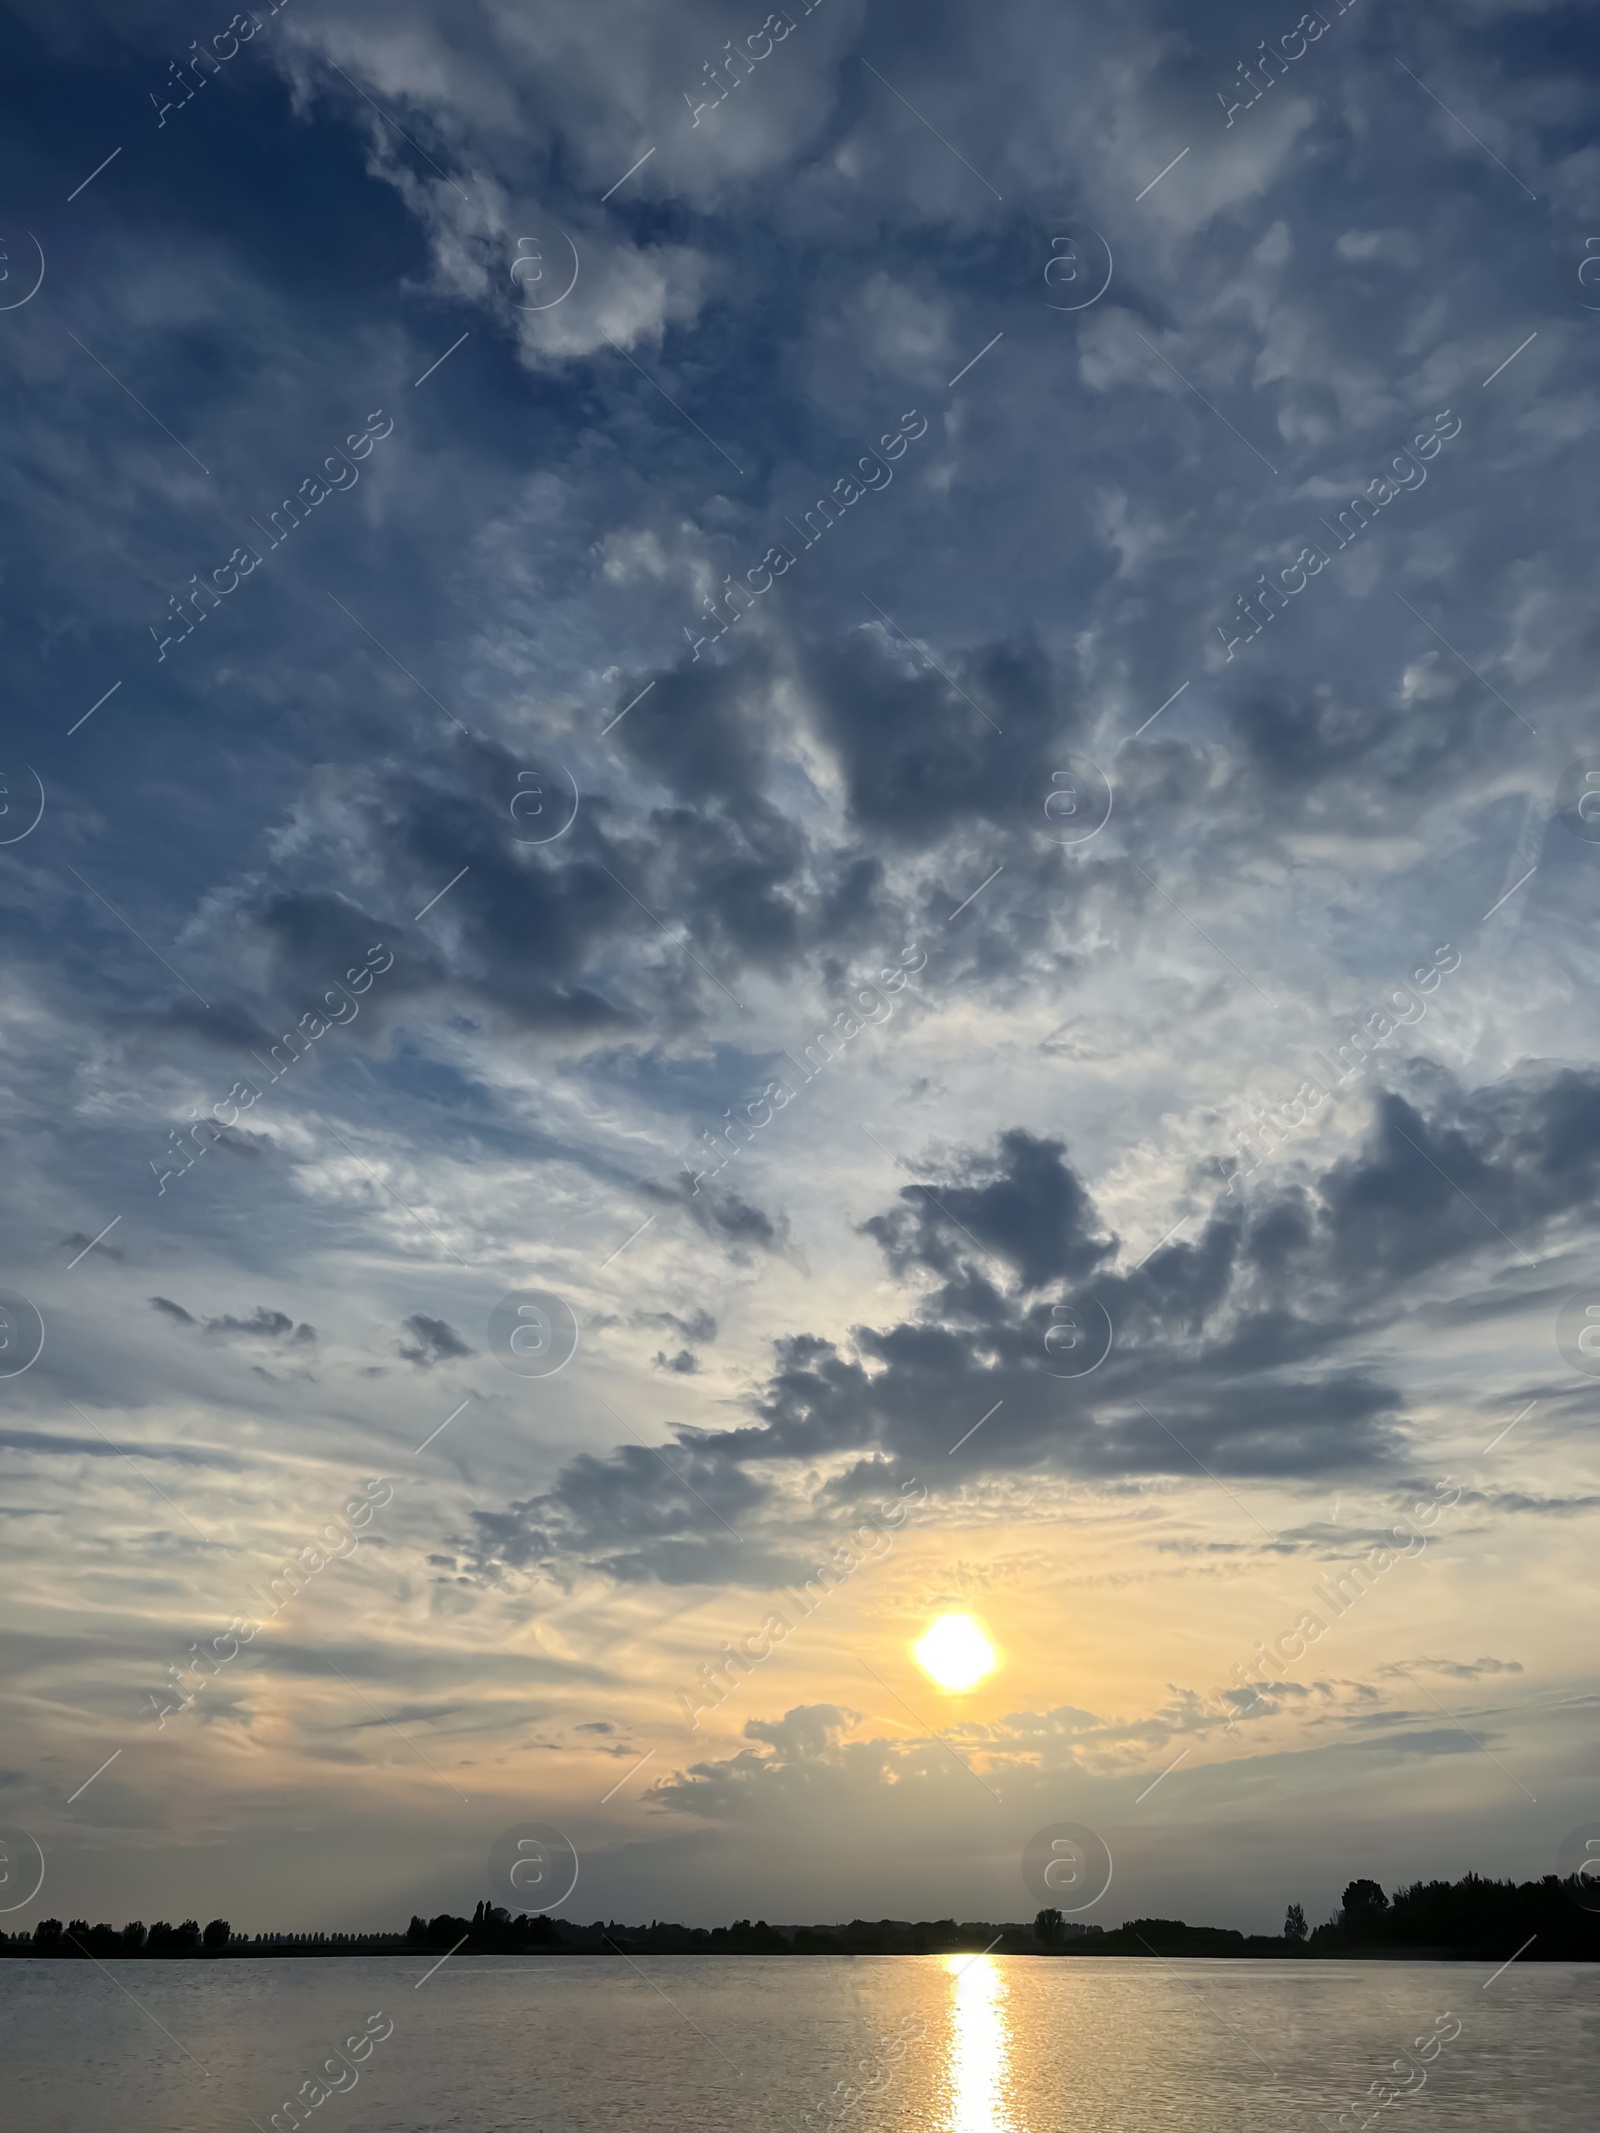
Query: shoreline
(624, 1951)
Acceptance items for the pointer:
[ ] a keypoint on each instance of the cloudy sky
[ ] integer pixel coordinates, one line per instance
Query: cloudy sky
(844, 726)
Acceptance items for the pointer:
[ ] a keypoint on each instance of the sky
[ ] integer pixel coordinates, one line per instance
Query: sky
(851, 794)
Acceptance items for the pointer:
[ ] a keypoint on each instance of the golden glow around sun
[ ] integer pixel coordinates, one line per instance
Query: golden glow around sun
(955, 1653)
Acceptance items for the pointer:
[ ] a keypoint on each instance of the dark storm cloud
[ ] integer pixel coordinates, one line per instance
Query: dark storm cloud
(433, 1340)
(262, 1324)
(918, 756)
(563, 937)
(1230, 1354)
(721, 1213)
(672, 1518)
(1025, 1203)
(919, 763)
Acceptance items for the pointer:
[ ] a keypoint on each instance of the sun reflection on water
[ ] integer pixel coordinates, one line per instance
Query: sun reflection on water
(978, 2073)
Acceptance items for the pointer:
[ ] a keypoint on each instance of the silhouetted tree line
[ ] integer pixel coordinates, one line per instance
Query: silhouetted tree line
(1469, 1917)
(80, 1940)
(1484, 1920)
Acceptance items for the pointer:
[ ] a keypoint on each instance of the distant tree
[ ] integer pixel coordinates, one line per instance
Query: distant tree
(47, 1936)
(1047, 1927)
(1362, 1908)
(133, 1937)
(417, 1931)
(1294, 1924)
(216, 1936)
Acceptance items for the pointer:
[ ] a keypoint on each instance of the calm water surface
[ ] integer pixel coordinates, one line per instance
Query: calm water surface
(750, 2043)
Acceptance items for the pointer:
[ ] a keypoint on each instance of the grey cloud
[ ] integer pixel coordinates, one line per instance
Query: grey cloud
(265, 1325)
(1457, 1669)
(1227, 1351)
(1518, 1502)
(1025, 1203)
(804, 1733)
(262, 1324)
(699, 1328)
(53, 1446)
(434, 1340)
(1438, 1740)
(722, 1214)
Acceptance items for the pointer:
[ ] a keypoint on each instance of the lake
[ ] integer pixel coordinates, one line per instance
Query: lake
(950, 2044)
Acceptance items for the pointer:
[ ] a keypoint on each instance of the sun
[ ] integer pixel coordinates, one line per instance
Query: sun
(955, 1653)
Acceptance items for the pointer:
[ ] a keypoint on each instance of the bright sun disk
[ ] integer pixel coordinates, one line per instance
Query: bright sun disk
(955, 1653)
